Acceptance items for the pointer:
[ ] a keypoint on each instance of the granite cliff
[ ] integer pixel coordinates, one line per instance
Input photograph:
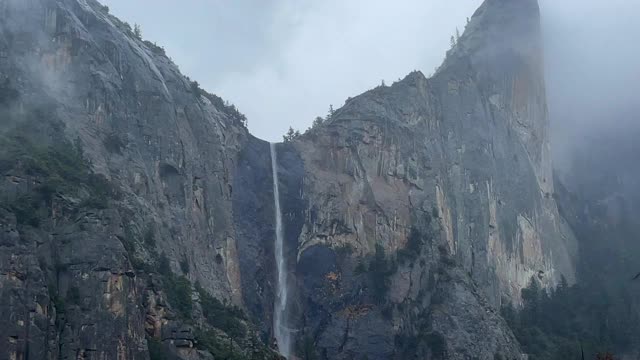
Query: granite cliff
(137, 215)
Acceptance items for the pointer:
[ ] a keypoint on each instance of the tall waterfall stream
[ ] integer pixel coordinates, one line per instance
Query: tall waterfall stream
(280, 327)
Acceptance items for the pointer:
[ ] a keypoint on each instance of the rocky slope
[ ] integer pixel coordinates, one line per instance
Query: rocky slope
(460, 161)
(137, 212)
(71, 71)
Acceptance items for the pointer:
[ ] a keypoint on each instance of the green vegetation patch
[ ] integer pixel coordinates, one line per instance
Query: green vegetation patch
(156, 349)
(59, 169)
(223, 106)
(562, 323)
(380, 270)
(219, 347)
(227, 318)
(178, 289)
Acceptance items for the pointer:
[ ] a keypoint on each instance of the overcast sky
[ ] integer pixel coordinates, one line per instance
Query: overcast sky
(282, 62)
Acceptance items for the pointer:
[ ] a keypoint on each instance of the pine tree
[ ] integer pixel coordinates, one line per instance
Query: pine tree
(531, 297)
(290, 135)
(137, 32)
(457, 35)
(453, 41)
(317, 122)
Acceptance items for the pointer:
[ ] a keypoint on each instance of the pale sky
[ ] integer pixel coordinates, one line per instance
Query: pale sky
(282, 62)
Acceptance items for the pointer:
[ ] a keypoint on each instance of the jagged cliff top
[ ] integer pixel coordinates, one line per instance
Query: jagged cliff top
(500, 34)
(501, 41)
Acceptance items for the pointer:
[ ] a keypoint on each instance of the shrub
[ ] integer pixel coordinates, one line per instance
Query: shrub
(184, 265)
(156, 351)
(437, 344)
(224, 317)
(56, 300)
(219, 348)
(317, 122)
(26, 209)
(291, 135)
(164, 266)
(73, 295)
(307, 348)
(60, 168)
(221, 105)
(128, 240)
(141, 265)
(361, 268)
(344, 250)
(149, 237)
(415, 242)
(562, 323)
(158, 50)
(178, 290)
(137, 31)
(380, 269)
(114, 144)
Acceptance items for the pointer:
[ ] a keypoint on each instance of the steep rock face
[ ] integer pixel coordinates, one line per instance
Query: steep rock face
(462, 159)
(79, 279)
(494, 77)
(470, 143)
(254, 218)
(141, 124)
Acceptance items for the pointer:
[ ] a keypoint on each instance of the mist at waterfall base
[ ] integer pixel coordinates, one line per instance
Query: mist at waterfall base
(281, 329)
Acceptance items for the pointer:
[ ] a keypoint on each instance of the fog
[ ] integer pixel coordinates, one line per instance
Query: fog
(593, 71)
(283, 62)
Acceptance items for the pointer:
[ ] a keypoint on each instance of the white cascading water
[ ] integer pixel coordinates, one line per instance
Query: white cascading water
(280, 326)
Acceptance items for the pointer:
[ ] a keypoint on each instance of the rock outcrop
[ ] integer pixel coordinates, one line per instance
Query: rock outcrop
(137, 211)
(461, 161)
(72, 71)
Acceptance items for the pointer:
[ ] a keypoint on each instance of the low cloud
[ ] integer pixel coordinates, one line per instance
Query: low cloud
(593, 70)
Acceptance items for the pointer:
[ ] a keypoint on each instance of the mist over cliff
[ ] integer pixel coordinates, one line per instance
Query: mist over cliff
(592, 72)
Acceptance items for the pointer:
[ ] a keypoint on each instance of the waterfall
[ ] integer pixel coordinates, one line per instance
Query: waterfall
(280, 326)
